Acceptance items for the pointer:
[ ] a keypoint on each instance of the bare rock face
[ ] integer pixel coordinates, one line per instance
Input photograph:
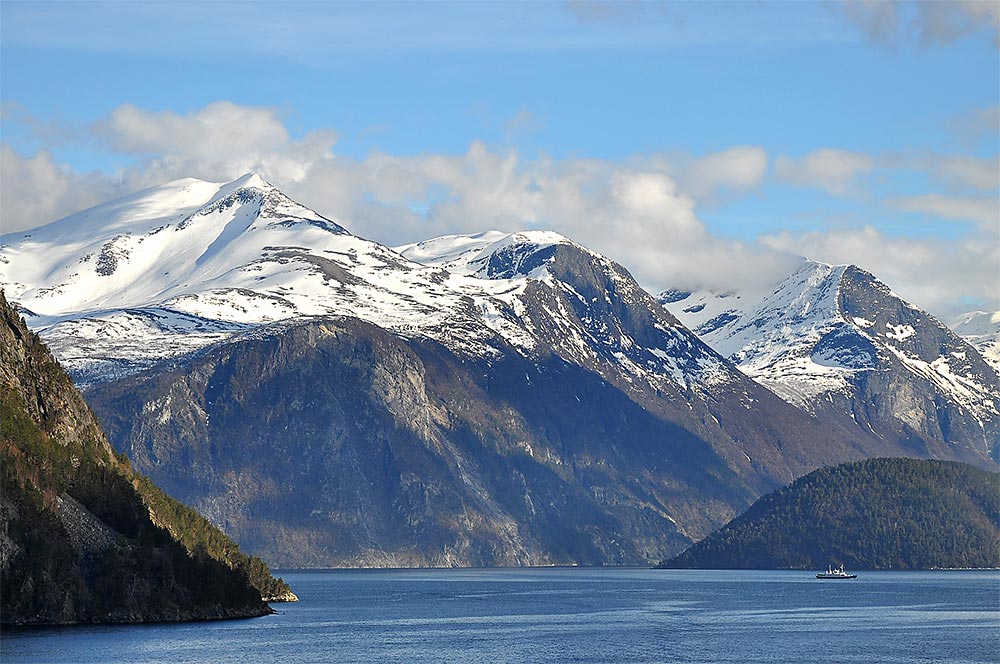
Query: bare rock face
(928, 386)
(88, 535)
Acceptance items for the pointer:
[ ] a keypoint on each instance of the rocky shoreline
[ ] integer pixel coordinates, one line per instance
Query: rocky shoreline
(286, 596)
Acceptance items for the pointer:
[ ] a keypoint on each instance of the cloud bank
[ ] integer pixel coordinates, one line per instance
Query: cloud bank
(832, 170)
(642, 211)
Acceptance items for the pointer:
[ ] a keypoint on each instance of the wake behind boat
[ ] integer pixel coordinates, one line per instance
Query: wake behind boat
(838, 573)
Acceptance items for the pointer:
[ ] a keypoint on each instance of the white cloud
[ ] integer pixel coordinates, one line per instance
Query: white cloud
(218, 142)
(978, 124)
(944, 22)
(634, 212)
(741, 168)
(961, 170)
(834, 171)
(523, 123)
(984, 211)
(35, 190)
(218, 127)
(842, 173)
(650, 199)
(878, 20)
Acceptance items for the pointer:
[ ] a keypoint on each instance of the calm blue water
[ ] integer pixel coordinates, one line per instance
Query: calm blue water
(571, 615)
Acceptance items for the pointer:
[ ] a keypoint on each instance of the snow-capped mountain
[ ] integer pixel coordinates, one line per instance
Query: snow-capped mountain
(833, 339)
(179, 266)
(982, 330)
(569, 297)
(166, 271)
(485, 399)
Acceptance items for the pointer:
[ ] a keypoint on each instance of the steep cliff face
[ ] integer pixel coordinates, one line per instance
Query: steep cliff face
(928, 386)
(332, 442)
(77, 541)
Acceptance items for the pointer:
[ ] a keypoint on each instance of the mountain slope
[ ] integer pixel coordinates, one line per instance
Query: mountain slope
(78, 539)
(392, 453)
(874, 514)
(838, 343)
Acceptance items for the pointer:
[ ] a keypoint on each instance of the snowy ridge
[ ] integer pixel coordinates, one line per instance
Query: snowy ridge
(103, 345)
(174, 268)
(490, 255)
(533, 274)
(825, 329)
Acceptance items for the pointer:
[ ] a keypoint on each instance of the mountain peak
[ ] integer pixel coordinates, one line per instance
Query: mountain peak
(977, 322)
(182, 238)
(538, 237)
(246, 181)
(251, 179)
(982, 330)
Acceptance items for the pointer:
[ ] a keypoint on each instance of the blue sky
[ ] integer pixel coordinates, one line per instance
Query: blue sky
(849, 132)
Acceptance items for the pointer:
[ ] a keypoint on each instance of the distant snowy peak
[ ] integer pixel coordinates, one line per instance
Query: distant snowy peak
(982, 330)
(449, 251)
(732, 318)
(706, 310)
(772, 337)
(977, 323)
(837, 330)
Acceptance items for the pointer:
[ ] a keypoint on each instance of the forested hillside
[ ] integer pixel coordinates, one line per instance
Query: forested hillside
(874, 514)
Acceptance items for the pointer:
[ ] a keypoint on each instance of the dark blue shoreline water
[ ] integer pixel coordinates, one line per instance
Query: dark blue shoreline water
(571, 615)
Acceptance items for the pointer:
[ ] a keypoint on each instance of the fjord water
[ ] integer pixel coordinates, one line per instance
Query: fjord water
(571, 615)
